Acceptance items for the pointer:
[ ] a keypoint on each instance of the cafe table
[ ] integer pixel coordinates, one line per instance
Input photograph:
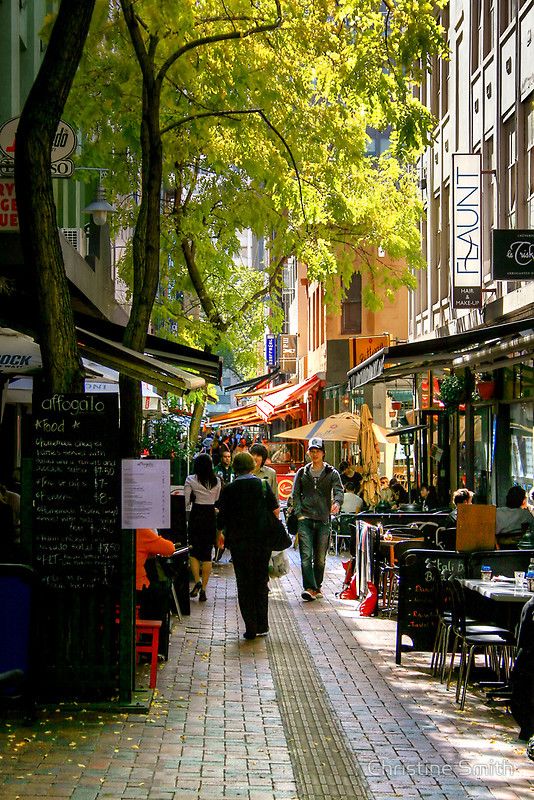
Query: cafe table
(500, 591)
(506, 600)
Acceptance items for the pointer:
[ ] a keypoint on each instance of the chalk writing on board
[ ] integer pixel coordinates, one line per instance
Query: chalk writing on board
(418, 600)
(76, 490)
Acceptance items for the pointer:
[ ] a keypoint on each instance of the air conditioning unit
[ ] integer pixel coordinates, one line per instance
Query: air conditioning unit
(77, 238)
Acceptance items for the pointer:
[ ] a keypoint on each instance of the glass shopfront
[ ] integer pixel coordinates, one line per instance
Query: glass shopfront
(522, 444)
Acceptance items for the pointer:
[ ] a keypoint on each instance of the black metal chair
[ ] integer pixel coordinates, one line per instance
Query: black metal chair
(391, 570)
(496, 643)
(342, 526)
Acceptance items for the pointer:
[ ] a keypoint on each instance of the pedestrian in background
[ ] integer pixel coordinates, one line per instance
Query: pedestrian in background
(260, 454)
(244, 507)
(317, 493)
(224, 471)
(201, 490)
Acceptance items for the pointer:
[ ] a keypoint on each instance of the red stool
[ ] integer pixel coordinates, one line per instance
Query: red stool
(148, 627)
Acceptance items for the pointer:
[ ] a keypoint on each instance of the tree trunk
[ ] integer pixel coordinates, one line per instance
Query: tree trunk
(196, 419)
(37, 213)
(146, 239)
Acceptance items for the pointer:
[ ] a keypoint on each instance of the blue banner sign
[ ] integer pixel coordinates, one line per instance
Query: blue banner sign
(271, 350)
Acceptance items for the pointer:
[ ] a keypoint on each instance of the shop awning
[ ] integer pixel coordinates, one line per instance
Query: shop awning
(278, 400)
(254, 383)
(136, 365)
(251, 393)
(488, 347)
(237, 417)
(207, 365)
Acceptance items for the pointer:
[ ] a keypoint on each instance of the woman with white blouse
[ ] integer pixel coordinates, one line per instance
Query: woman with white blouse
(202, 490)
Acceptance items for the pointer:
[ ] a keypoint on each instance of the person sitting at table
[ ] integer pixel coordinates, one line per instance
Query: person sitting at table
(345, 472)
(427, 497)
(153, 596)
(400, 495)
(352, 502)
(460, 497)
(514, 519)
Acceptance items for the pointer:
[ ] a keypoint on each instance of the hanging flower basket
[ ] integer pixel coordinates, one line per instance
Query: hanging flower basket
(485, 389)
(452, 391)
(484, 386)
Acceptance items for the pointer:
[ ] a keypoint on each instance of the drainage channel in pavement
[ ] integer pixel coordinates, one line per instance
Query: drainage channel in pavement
(323, 765)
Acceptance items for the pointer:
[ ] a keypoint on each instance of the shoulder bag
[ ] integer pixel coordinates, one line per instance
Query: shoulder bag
(276, 535)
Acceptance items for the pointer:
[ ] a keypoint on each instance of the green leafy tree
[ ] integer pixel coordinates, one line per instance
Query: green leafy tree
(256, 116)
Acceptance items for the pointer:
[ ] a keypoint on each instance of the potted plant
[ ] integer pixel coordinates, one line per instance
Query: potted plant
(452, 390)
(485, 385)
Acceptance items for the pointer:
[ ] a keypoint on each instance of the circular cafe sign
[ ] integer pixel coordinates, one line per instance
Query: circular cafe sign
(63, 145)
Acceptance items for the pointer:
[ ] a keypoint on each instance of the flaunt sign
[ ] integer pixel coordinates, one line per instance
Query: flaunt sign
(466, 231)
(9, 218)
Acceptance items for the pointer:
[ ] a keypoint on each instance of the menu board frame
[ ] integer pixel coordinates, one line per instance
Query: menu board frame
(76, 490)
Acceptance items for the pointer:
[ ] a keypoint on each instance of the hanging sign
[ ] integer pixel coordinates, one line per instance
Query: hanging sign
(513, 255)
(466, 250)
(270, 350)
(288, 353)
(63, 145)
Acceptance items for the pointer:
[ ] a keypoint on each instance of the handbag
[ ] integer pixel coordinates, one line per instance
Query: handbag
(279, 565)
(292, 522)
(277, 536)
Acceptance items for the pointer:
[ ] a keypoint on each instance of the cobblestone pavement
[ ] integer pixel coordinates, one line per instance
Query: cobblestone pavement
(317, 710)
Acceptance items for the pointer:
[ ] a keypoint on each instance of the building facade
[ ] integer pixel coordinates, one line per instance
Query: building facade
(483, 102)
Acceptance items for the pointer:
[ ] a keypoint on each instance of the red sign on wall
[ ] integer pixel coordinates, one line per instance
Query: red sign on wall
(9, 218)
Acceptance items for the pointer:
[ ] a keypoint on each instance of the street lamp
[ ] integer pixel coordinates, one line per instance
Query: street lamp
(99, 208)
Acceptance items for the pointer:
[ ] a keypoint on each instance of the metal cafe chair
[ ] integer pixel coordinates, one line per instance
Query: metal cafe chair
(392, 569)
(342, 526)
(496, 643)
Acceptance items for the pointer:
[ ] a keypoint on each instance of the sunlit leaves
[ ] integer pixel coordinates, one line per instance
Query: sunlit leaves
(329, 73)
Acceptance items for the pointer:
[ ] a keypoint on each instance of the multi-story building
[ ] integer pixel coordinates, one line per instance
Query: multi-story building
(483, 102)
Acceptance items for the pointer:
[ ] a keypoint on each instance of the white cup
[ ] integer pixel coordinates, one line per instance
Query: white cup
(519, 579)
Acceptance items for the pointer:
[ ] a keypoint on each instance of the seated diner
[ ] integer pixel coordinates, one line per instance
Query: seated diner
(514, 519)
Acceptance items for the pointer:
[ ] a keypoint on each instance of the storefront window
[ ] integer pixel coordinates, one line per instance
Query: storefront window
(522, 444)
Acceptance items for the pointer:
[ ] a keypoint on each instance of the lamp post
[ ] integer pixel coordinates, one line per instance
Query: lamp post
(99, 208)
(406, 439)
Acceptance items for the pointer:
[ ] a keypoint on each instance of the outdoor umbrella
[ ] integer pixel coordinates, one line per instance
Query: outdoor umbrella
(344, 427)
(369, 458)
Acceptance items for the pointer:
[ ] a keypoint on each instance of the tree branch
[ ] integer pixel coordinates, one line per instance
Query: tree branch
(269, 124)
(220, 37)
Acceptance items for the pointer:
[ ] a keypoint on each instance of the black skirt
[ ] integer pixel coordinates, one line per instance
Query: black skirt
(202, 531)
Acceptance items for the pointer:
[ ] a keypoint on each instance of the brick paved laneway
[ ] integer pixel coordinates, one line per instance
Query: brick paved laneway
(318, 710)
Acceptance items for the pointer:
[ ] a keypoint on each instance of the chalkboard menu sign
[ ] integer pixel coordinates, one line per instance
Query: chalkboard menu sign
(76, 490)
(418, 601)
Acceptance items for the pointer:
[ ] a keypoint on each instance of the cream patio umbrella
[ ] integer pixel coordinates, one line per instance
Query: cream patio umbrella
(369, 458)
(343, 427)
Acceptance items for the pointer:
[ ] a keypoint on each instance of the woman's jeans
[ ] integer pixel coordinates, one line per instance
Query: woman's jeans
(314, 538)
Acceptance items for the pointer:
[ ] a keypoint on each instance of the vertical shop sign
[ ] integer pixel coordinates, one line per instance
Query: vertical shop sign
(288, 353)
(466, 229)
(270, 350)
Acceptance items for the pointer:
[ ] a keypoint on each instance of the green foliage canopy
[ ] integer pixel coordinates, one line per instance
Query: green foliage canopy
(264, 130)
